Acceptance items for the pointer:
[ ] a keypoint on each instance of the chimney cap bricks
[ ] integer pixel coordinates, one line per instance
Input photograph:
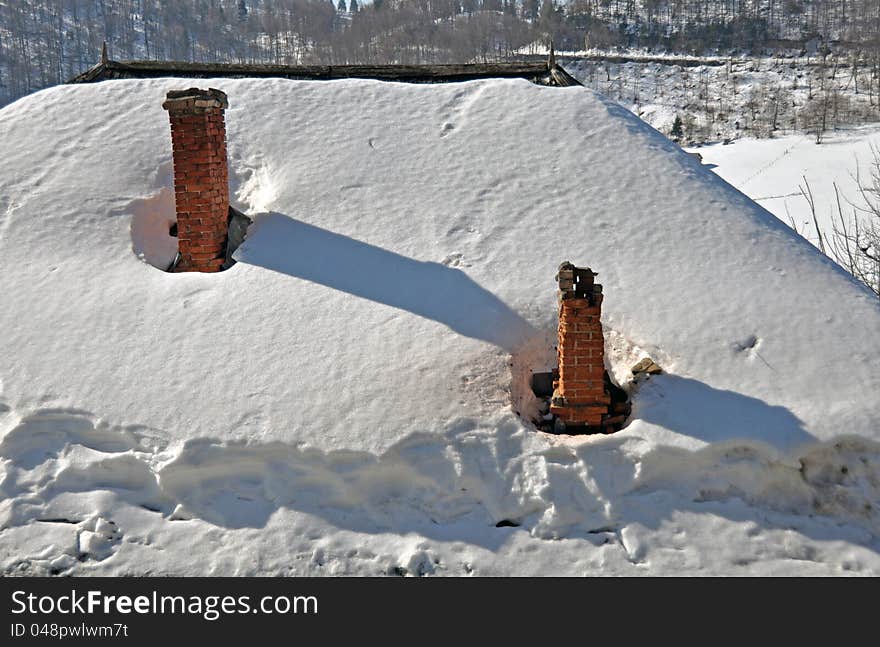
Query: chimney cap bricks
(195, 99)
(577, 283)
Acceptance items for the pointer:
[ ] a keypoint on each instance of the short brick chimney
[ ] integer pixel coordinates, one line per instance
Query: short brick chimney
(580, 397)
(201, 177)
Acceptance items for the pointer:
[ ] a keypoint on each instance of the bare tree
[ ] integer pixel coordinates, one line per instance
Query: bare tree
(854, 241)
(807, 192)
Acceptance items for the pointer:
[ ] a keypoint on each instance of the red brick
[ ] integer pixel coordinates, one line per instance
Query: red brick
(586, 372)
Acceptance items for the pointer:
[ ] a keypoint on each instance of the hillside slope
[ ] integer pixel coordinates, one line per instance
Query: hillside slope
(345, 398)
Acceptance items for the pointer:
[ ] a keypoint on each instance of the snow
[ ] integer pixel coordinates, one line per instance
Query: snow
(771, 172)
(345, 399)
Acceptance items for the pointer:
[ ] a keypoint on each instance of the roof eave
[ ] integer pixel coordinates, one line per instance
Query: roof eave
(541, 73)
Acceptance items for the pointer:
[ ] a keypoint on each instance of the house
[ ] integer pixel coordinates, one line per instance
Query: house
(354, 394)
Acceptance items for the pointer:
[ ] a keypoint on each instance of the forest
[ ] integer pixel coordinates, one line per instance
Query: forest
(45, 42)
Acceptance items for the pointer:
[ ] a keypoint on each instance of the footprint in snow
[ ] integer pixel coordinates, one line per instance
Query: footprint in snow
(749, 346)
(452, 260)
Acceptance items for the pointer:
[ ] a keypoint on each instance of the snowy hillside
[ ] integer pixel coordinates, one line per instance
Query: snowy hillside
(346, 398)
(736, 97)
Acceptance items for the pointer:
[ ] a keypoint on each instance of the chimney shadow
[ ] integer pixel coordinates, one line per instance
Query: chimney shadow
(427, 289)
(693, 408)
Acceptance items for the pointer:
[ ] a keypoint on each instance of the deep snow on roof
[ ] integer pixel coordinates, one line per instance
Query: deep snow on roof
(357, 374)
(408, 247)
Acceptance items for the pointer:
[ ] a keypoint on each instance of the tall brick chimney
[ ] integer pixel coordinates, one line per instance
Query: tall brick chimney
(579, 396)
(201, 177)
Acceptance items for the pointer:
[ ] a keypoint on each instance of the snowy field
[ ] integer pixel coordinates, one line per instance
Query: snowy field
(351, 397)
(771, 172)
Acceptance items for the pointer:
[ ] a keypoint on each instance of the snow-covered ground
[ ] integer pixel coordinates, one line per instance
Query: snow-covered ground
(772, 172)
(347, 399)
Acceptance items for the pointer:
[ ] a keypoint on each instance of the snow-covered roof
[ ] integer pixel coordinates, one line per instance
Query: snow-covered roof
(393, 295)
(408, 247)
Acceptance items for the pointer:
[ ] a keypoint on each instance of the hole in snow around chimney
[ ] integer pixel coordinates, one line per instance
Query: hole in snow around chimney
(154, 230)
(618, 409)
(532, 372)
(151, 222)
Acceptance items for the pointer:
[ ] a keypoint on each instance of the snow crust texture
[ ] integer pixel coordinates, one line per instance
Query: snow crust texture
(352, 396)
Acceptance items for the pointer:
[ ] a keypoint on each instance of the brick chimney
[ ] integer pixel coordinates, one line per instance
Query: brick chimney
(579, 396)
(201, 177)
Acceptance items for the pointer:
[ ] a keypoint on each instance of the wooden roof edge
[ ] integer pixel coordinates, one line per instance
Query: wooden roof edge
(89, 75)
(563, 78)
(442, 72)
